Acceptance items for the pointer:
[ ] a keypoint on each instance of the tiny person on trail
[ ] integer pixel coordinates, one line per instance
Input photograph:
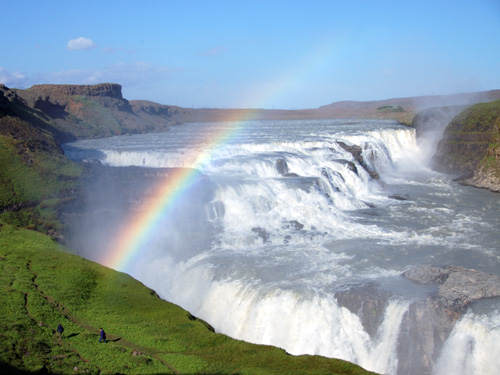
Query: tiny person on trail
(102, 335)
(60, 329)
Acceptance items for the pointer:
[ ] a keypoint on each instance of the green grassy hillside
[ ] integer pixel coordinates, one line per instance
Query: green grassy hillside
(42, 286)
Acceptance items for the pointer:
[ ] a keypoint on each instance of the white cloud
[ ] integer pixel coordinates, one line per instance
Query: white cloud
(16, 79)
(80, 43)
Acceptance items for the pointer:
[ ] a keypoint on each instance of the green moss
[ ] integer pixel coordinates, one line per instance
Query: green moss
(477, 118)
(391, 108)
(42, 286)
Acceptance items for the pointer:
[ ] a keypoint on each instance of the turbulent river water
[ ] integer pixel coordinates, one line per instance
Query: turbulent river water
(285, 216)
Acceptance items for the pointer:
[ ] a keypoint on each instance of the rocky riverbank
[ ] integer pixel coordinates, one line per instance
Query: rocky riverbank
(466, 142)
(470, 146)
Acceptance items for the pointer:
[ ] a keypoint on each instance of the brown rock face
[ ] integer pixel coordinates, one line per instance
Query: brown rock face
(470, 146)
(112, 90)
(458, 286)
(85, 111)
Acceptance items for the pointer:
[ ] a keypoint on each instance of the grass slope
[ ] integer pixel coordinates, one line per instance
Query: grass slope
(41, 286)
(33, 184)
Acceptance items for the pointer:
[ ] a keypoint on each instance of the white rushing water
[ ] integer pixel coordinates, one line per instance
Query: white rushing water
(472, 347)
(285, 217)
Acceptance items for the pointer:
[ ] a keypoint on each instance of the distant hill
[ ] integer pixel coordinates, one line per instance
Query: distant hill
(404, 108)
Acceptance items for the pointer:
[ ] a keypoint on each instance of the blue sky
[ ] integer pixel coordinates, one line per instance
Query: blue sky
(272, 54)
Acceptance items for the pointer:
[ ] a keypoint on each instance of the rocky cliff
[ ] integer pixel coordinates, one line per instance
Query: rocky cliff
(83, 110)
(442, 295)
(112, 90)
(470, 146)
(25, 124)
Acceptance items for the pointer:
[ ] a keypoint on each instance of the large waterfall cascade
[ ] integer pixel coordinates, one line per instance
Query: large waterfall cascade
(291, 222)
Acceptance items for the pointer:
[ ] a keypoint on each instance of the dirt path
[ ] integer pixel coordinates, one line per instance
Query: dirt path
(36, 322)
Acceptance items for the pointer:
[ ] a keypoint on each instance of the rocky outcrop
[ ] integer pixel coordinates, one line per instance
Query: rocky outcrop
(111, 90)
(55, 99)
(349, 164)
(458, 286)
(27, 125)
(430, 321)
(424, 327)
(87, 111)
(7, 96)
(441, 297)
(471, 146)
(356, 152)
(282, 168)
(368, 302)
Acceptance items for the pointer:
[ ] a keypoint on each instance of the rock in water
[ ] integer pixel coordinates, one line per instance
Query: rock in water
(430, 321)
(438, 305)
(458, 286)
(356, 151)
(282, 167)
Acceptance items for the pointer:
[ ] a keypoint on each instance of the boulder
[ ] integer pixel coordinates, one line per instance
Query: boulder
(356, 152)
(282, 168)
(458, 286)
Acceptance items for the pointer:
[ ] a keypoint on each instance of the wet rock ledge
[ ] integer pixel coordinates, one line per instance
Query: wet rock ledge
(458, 286)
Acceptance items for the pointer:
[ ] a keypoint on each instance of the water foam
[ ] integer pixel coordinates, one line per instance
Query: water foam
(472, 348)
(304, 322)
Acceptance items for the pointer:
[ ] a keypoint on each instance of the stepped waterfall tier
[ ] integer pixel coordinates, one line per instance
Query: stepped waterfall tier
(317, 236)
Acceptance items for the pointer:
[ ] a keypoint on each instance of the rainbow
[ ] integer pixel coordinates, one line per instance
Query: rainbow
(136, 229)
(132, 237)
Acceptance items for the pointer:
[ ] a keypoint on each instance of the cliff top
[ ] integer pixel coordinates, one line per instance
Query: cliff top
(113, 90)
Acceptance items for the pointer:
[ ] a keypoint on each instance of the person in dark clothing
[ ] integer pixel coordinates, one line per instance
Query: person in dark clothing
(102, 335)
(60, 329)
